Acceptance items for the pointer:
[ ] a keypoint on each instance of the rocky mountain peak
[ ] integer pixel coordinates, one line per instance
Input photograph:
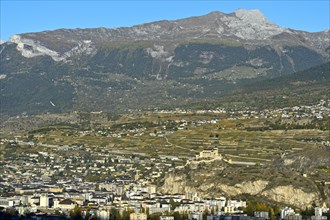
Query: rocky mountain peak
(253, 16)
(1, 41)
(214, 14)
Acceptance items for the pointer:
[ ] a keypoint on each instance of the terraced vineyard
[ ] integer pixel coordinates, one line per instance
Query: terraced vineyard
(181, 134)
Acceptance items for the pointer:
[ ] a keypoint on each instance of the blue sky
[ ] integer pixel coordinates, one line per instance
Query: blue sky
(33, 16)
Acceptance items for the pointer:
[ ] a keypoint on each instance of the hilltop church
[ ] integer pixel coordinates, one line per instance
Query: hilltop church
(212, 153)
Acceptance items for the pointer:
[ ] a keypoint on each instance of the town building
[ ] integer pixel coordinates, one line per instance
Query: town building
(261, 214)
(285, 212)
(44, 200)
(195, 216)
(137, 216)
(166, 217)
(66, 204)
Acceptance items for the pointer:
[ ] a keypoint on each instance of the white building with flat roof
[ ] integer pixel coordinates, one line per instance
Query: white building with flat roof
(286, 211)
(44, 200)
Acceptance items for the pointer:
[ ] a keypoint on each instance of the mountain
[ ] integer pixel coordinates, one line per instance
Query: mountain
(300, 88)
(319, 74)
(158, 64)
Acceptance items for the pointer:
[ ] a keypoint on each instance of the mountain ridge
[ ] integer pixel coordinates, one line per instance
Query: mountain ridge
(241, 25)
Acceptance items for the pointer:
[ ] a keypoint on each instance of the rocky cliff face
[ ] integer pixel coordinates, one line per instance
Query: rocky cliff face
(177, 184)
(218, 179)
(250, 187)
(292, 196)
(281, 194)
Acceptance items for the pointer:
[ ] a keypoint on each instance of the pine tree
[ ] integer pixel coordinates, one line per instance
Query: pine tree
(76, 213)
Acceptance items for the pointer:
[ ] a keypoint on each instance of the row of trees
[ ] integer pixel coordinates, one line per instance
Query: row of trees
(115, 214)
(252, 206)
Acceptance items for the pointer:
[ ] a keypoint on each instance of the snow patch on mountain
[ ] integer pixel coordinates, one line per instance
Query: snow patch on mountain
(3, 76)
(84, 47)
(158, 52)
(30, 48)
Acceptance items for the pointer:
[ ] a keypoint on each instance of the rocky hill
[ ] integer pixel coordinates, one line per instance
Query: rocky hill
(284, 185)
(157, 64)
